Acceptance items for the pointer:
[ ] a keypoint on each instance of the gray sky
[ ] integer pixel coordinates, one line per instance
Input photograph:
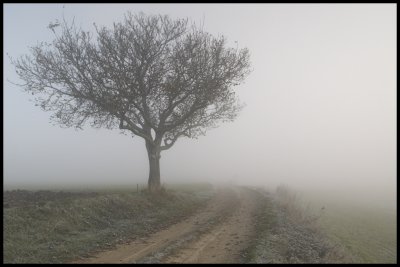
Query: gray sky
(320, 102)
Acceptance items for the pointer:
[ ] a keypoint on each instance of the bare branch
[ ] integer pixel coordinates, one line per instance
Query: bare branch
(144, 73)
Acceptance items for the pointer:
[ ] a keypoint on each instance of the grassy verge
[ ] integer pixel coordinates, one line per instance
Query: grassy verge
(56, 227)
(289, 233)
(265, 221)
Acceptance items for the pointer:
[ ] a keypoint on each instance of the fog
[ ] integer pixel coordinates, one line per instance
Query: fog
(320, 108)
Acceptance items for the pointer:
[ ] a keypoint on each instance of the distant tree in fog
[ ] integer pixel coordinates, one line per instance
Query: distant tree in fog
(155, 77)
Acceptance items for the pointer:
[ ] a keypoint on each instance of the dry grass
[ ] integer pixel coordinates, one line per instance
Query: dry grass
(300, 214)
(290, 233)
(295, 209)
(59, 227)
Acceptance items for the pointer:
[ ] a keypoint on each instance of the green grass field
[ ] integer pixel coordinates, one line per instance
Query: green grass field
(367, 231)
(369, 235)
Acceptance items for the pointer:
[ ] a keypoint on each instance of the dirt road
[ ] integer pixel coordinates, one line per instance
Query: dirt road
(219, 233)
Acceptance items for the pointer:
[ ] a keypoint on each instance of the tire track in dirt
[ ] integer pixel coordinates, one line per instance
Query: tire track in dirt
(216, 234)
(227, 241)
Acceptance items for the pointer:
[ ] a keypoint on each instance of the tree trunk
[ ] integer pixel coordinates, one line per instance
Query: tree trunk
(153, 152)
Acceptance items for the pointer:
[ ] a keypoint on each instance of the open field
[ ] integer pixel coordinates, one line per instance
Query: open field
(192, 223)
(366, 230)
(370, 235)
(55, 227)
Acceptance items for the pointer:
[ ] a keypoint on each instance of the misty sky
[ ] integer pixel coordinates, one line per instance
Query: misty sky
(320, 102)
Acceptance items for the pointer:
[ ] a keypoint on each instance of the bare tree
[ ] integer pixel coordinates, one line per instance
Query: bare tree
(155, 77)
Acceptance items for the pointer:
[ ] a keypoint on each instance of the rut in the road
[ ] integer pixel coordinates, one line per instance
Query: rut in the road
(217, 234)
(227, 241)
